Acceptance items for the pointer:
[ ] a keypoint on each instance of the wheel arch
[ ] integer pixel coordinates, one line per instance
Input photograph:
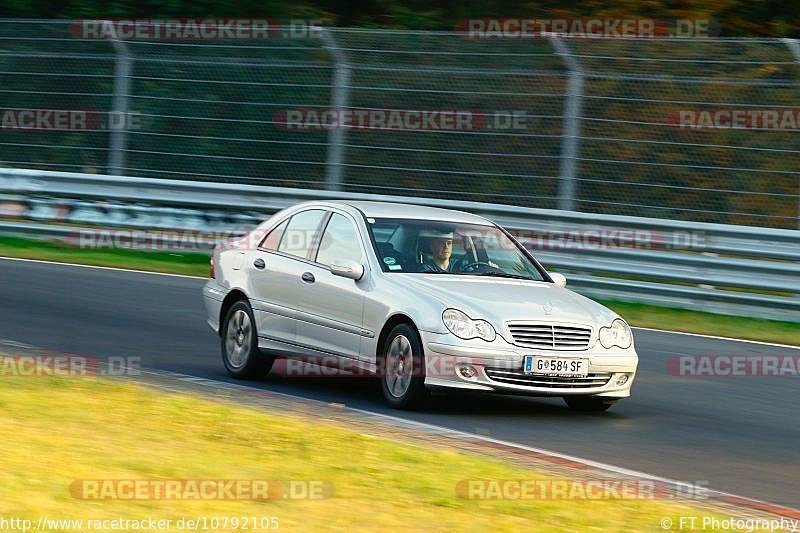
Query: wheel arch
(235, 295)
(389, 325)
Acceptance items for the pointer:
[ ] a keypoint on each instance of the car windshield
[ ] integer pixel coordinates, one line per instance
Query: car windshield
(433, 247)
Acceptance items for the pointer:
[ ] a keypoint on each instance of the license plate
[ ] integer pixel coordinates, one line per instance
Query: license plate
(555, 366)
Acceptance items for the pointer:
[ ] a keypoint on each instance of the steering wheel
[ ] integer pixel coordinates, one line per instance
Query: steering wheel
(477, 267)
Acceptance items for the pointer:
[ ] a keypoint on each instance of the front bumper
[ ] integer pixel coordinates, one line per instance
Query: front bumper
(499, 369)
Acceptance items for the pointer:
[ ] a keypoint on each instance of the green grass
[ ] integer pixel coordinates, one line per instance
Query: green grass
(759, 329)
(59, 430)
(196, 264)
(191, 264)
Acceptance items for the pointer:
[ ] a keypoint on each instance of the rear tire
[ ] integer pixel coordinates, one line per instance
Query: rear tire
(239, 344)
(403, 369)
(588, 404)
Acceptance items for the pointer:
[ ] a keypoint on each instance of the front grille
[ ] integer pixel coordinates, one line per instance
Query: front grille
(517, 377)
(551, 336)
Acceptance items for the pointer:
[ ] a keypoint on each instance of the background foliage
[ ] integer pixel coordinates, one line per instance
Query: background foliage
(766, 18)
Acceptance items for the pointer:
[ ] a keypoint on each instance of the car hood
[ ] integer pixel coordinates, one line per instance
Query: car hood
(499, 300)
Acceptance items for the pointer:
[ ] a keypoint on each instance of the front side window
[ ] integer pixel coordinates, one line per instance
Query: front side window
(339, 241)
(434, 247)
(302, 233)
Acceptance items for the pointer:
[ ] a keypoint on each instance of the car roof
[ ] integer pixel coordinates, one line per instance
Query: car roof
(410, 211)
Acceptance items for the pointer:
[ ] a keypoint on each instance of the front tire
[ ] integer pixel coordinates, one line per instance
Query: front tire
(239, 343)
(588, 404)
(403, 370)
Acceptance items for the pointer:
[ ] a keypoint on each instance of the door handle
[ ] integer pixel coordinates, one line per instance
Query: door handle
(259, 264)
(308, 277)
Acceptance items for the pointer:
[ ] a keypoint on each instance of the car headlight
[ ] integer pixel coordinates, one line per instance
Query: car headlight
(618, 334)
(463, 327)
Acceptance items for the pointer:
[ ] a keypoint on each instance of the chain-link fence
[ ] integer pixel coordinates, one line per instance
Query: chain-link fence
(599, 125)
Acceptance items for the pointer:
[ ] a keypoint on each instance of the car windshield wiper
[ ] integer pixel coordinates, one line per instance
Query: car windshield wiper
(502, 275)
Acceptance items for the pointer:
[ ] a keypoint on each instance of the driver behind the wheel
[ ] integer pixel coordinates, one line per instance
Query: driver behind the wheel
(440, 246)
(440, 260)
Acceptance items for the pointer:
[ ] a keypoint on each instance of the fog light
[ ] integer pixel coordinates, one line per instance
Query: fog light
(466, 371)
(622, 380)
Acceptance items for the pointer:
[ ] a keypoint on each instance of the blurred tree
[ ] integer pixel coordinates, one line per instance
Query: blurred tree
(757, 18)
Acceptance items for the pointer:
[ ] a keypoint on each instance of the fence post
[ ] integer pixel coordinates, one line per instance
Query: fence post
(334, 160)
(570, 140)
(119, 107)
(794, 47)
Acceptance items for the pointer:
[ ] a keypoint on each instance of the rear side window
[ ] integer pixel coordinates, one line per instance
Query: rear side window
(340, 241)
(302, 233)
(273, 239)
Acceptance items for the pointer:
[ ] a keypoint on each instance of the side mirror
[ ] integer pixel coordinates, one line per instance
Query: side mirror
(558, 279)
(347, 269)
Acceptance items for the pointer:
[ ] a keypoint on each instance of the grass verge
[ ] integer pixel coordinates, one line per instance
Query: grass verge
(196, 264)
(757, 329)
(190, 264)
(58, 430)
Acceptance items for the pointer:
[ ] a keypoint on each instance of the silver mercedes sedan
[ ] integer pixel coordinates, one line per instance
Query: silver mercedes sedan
(419, 297)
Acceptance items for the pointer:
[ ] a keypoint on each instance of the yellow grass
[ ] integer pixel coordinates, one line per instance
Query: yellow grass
(58, 430)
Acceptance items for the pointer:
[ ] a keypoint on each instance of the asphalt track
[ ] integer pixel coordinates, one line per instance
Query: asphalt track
(741, 435)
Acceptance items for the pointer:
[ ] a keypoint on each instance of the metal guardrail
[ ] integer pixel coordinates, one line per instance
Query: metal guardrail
(739, 270)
